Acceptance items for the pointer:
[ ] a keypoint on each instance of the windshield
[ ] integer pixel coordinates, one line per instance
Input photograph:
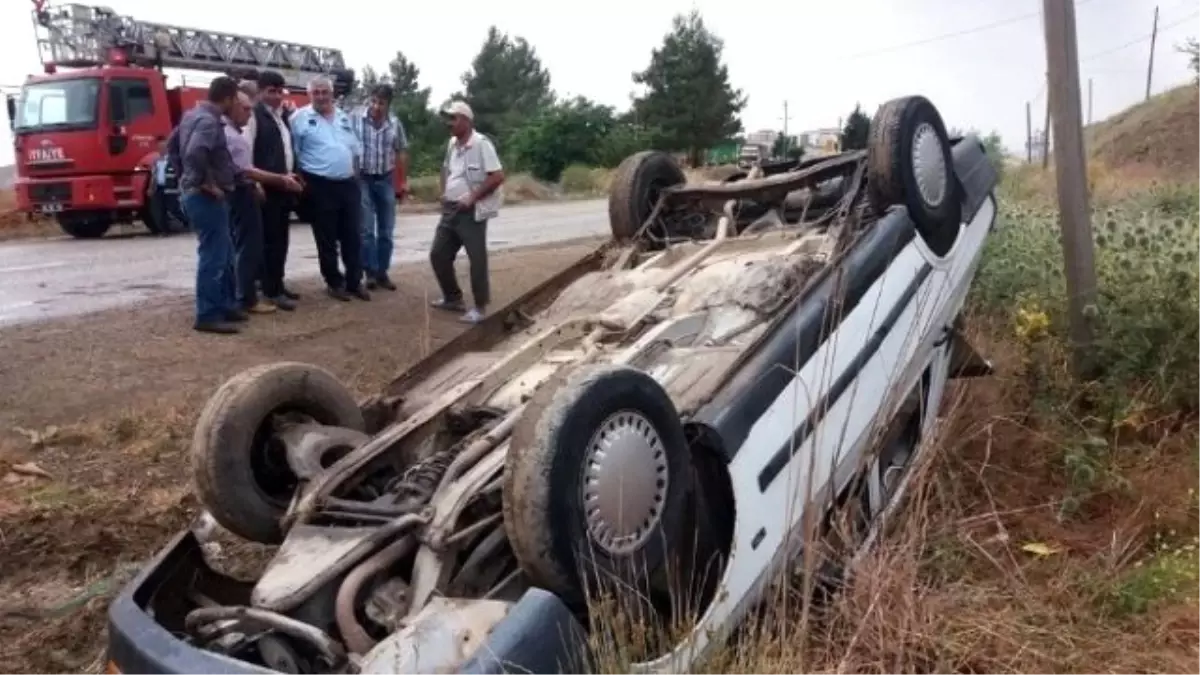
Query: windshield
(62, 104)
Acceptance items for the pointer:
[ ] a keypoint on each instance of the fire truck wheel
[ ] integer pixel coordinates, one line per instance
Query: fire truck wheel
(83, 226)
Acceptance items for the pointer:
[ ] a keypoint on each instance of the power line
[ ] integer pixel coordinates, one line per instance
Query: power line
(1141, 39)
(948, 36)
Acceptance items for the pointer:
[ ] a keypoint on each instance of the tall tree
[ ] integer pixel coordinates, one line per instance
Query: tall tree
(1191, 48)
(367, 78)
(857, 130)
(410, 103)
(688, 95)
(506, 84)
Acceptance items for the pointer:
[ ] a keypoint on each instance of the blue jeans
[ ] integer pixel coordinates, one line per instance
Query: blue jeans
(378, 223)
(209, 218)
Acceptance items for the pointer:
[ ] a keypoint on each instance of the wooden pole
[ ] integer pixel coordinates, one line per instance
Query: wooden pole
(1153, 40)
(1046, 127)
(1089, 115)
(1062, 57)
(1028, 132)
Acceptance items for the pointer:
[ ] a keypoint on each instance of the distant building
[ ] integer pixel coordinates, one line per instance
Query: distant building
(824, 141)
(765, 137)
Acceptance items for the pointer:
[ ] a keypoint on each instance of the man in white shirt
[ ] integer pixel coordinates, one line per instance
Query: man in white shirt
(470, 185)
(271, 142)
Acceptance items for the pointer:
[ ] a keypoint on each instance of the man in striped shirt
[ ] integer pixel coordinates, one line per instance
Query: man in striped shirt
(385, 148)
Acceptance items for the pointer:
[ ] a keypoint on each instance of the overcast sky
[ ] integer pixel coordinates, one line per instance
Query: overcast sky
(821, 57)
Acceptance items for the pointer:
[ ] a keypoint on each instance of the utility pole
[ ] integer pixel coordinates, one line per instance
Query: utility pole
(1062, 58)
(1028, 132)
(1089, 101)
(787, 140)
(1046, 126)
(1153, 40)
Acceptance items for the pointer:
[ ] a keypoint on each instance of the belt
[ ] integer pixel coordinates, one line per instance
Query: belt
(376, 175)
(310, 176)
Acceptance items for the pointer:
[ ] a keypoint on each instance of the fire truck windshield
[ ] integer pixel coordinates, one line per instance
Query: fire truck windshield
(58, 105)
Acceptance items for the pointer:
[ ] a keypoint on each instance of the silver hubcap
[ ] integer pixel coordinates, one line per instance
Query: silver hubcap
(624, 482)
(929, 165)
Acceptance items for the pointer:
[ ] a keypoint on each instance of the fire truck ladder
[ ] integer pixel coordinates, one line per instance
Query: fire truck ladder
(80, 36)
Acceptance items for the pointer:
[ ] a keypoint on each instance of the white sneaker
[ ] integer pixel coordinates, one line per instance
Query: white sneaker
(473, 315)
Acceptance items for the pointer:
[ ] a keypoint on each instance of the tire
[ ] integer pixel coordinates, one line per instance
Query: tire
(544, 482)
(239, 478)
(84, 226)
(639, 180)
(909, 163)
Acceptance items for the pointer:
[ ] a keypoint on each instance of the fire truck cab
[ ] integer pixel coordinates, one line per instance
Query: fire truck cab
(86, 138)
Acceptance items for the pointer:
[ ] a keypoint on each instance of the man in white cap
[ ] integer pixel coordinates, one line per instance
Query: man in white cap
(470, 185)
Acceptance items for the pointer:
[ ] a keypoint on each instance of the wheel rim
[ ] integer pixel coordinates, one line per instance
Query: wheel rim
(929, 165)
(625, 482)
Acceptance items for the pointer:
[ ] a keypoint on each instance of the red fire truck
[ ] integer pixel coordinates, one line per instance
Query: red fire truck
(86, 132)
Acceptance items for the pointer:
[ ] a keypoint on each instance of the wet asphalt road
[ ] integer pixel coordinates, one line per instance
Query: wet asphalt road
(64, 277)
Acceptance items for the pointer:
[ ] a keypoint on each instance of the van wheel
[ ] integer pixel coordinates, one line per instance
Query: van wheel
(596, 482)
(636, 187)
(909, 164)
(242, 473)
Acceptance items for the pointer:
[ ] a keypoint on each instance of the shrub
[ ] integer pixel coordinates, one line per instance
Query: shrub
(584, 180)
(1147, 315)
(424, 188)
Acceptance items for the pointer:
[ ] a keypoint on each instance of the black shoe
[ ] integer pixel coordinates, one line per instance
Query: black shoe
(360, 293)
(283, 303)
(290, 294)
(236, 316)
(371, 284)
(337, 294)
(218, 327)
(384, 282)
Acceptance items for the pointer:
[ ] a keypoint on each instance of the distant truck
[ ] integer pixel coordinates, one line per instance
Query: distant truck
(86, 139)
(753, 153)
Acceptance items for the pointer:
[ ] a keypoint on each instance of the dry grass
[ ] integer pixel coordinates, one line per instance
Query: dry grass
(982, 572)
(1161, 132)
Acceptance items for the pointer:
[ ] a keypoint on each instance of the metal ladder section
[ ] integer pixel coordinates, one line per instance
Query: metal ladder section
(78, 36)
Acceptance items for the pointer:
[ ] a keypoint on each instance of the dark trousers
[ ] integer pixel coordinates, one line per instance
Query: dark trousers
(335, 207)
(459, 229)
(247, 243)
(276, 216)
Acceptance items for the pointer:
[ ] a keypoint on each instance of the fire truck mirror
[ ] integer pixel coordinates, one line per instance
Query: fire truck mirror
(11, 102)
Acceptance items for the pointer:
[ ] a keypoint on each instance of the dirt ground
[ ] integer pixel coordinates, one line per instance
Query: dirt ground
(102, 407)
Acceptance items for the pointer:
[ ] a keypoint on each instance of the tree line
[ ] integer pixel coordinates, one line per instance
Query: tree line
(687, 106)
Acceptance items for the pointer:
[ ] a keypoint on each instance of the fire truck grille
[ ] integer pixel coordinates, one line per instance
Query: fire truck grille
(41, 193)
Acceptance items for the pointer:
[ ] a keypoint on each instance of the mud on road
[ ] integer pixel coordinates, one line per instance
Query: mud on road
(104, 406)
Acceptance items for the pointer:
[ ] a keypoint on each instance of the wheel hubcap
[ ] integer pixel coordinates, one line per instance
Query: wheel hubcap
(929, 165)
(624, 482)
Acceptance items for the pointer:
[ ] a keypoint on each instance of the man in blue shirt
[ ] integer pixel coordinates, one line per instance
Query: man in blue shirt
(198, 147)
(164, 196)
(384, 147)
(327, 154)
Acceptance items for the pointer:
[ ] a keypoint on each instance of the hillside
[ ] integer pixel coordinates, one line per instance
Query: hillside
(1161, 132)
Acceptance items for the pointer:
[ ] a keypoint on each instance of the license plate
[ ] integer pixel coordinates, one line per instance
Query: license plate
(51, 208)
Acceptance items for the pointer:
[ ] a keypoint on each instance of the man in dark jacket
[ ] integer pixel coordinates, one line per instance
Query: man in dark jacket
(199, 148)
(271, 144)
